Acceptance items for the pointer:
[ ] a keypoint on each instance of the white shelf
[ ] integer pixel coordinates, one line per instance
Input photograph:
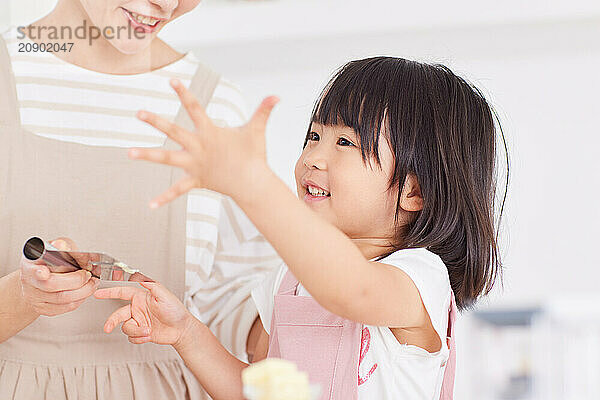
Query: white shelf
(226, 22)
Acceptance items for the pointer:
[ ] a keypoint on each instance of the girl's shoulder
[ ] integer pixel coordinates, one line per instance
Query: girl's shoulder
(429, 274)
(420, 261)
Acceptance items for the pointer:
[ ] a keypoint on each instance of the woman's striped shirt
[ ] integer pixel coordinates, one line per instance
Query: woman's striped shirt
(225, 255)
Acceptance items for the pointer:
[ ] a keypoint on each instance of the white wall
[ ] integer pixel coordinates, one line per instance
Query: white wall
(20, 12)
(543, 79)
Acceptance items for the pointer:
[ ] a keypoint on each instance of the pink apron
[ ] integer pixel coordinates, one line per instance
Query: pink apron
(327, 346)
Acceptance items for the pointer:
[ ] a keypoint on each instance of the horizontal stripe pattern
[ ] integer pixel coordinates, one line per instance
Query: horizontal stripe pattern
(225, 255)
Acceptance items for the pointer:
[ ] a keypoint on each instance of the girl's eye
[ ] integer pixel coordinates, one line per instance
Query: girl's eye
(312, 136)
(345, 142)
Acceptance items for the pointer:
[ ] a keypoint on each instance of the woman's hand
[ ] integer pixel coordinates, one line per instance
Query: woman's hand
(54, 293)
(226, 160)
(154, 315)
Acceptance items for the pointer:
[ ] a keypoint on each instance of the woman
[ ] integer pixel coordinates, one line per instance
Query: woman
(67, 118)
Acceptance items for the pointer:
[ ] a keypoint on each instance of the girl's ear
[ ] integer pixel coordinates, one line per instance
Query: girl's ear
(411, 198)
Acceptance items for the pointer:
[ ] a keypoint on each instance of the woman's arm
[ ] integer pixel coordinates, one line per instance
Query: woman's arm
(15, 313)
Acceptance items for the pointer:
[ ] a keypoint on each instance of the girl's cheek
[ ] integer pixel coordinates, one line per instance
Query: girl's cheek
(298, 172)
(298, 169)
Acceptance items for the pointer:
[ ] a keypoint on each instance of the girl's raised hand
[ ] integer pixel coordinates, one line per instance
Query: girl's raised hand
(225, 160)
(153, 315)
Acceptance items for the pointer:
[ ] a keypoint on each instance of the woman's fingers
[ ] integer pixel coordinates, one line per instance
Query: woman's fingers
(68, 296)
(189, 101)
(117, 275)
(64, 244)
(59, 282)
(263, 112)
(41, 272)
(52, 310)
(183, 186)
(179, 159)
(121, 315)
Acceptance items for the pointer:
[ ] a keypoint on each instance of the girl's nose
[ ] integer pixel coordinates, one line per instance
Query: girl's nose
(315, 161)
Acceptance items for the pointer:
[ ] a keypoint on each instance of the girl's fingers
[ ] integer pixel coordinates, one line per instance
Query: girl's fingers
(157, 290)
(121, 315)
(179, 159)
(140, 340)
(263, 112)
(194, 109)
(178, 134)
(119, 293)
(183, 186)
(131, 329)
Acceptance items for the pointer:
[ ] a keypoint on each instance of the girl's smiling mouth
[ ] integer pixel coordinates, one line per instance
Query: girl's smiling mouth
(315, 193)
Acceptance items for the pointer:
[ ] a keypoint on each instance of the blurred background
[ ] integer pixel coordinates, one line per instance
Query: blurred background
(538, 336)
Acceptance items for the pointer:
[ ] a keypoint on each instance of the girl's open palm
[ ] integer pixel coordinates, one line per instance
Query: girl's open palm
(154, 315)
(215, 158)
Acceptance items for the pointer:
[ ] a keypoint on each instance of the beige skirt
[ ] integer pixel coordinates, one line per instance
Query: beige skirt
(61, 369)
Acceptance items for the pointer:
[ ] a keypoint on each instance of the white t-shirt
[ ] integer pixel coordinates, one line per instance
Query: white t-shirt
(390, 370)
(226, 256)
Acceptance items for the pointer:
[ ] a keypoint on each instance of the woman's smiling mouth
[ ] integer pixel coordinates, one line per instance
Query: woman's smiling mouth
(146, 23)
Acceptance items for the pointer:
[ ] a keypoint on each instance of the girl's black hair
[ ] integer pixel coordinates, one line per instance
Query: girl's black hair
(440, 128)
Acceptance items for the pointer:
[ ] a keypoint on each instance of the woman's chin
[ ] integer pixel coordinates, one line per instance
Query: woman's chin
(131, 46)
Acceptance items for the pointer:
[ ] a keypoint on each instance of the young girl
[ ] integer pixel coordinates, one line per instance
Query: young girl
(393, 221)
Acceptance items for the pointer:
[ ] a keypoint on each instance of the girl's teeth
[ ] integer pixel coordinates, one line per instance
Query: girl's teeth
(317, 192)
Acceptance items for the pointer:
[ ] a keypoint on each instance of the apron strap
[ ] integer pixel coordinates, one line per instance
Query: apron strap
(203, 85)
(447, 392)
(9, 121)
(9, 110)
(289, 284)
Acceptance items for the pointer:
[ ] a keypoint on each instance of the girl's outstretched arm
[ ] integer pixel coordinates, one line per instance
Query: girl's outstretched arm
(156, 315)
(219, 372)
(329, 265)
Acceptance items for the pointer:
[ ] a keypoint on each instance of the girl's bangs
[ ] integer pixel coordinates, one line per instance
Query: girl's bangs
(355, 98)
